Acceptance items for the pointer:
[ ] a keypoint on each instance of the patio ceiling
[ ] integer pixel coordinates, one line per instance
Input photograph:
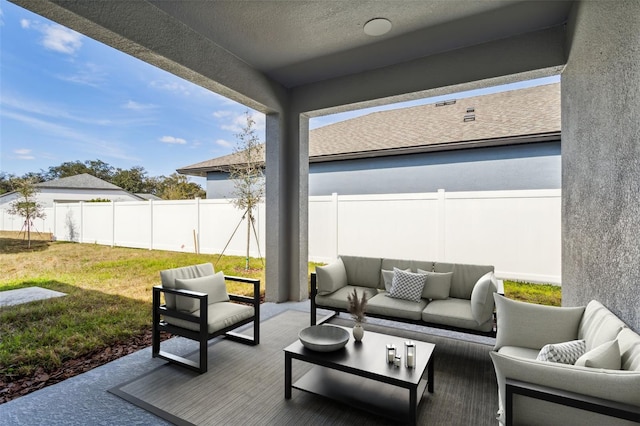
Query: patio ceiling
(256, 51)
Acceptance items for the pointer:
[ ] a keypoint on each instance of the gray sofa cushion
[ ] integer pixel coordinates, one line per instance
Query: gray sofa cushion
(482, 298)
(363, 271)
(396, 308)
(407, 285)
(629, 342)
(437, 286)
(532, 326)
(607, 355)
(464, 277)
(598, 325)
(213, 285)
(331, 277)
(168, 278)
(338, 299)
(454, 313)
(387, 278)
(411, 265)
(563, 352)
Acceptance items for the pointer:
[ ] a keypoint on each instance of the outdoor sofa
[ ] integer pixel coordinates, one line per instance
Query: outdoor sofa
(565, 365)
(453, 295)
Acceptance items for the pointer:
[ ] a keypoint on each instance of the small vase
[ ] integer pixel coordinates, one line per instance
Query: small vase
(358, 332)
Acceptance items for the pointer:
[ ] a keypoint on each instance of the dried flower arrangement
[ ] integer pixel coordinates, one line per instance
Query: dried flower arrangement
(357, 306)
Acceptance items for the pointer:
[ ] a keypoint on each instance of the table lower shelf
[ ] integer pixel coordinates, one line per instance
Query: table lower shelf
(365, 394)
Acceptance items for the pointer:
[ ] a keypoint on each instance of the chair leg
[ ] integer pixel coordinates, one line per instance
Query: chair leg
(203, 356)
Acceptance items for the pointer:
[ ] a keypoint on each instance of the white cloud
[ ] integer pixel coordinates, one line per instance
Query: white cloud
(171, 86)
(238, 121)
(25, 23)
(24, 154)
(88, 74)
(221, 114)
(60, 39)
(172, 140)
(136, 106)
(223, 143)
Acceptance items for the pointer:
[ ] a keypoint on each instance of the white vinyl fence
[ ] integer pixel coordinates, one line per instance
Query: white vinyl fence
(516, 231)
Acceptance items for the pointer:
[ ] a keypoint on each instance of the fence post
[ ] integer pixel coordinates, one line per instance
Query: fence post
(150, 224)
(80, 237)
(441, 218)
(113, 223)
(196, 249)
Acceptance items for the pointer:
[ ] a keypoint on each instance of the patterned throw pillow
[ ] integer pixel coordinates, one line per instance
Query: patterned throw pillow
(387, 277)
(565, 353)
(407, 285)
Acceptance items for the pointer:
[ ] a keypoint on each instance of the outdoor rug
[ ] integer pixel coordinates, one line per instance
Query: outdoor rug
(245, 384)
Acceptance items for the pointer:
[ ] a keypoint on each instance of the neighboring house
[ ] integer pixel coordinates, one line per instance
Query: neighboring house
(501, 141)
(82, 187)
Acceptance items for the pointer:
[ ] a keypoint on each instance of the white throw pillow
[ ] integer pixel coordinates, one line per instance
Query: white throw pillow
(213, 285)
(607, 355)
(387, 277)
(437, 285)
(565, 352)
(407, 285)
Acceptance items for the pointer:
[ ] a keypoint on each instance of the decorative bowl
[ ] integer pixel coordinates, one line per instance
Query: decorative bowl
(324, 338)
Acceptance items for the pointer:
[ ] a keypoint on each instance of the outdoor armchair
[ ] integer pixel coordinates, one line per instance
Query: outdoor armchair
(198, 307)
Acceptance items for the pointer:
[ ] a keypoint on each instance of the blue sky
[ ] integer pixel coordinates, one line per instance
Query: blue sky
(65, 97)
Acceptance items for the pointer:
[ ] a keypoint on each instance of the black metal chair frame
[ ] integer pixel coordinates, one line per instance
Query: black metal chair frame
(202, 336)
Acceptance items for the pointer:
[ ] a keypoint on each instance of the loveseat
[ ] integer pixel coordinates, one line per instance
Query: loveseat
(565, 365)
(453, 296)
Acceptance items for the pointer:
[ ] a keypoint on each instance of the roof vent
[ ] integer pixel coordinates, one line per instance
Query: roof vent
(469, 117)
(471, 109)
(443, 103)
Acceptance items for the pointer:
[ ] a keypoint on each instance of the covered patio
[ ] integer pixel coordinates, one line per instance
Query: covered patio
(297, 60)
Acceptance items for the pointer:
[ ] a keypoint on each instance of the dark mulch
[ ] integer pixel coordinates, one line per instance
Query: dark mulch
(15, 387)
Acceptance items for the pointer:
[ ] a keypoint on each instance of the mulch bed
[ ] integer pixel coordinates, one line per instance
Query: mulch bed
(12, 388)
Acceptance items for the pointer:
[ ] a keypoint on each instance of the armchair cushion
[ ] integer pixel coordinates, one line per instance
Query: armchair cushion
(213, 285)
(168, 278)
(532, 326)
(219, 315)
(331, 277)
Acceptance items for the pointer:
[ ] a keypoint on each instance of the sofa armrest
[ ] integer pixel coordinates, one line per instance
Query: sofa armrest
(331, 277)
(529, 325)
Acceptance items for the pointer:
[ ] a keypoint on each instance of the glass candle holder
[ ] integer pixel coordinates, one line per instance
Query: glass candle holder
(391, 353)
(397, 360)
(410, 354)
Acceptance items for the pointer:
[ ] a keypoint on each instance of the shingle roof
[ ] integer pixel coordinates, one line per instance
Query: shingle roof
(523, 115)
(81, 181)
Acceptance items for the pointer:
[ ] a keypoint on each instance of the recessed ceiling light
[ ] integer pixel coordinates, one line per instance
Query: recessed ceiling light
(377, 27)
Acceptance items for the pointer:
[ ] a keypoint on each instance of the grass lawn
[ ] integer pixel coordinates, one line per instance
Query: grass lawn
(108, 297)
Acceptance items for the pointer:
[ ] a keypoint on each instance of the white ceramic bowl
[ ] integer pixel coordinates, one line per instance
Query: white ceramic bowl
(324, 338)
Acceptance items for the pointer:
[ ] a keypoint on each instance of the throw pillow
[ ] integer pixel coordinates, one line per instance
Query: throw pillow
(607, 355)
(437, 285)
(213, 285)
(387, 277)
(331, 277)
(565, 353)
(407, 285)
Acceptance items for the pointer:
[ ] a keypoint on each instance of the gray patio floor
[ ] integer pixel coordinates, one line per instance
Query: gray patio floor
(84, 400)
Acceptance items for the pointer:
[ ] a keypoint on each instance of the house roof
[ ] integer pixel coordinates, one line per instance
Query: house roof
(81, 181)
(511, 117)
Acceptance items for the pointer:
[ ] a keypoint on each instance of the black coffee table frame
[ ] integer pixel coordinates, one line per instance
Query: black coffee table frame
(359, 375)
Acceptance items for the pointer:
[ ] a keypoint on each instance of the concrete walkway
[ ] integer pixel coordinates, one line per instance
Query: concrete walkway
(27, 294)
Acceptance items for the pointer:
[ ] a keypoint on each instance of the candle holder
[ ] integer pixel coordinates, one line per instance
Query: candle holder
(391, 353)
(410, 354)
(397, 360)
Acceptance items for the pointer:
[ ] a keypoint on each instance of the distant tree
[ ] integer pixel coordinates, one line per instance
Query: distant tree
(178, 187)
(7, 182)
(247, 175)
(132, 180)
(27, 206)
(97, 168)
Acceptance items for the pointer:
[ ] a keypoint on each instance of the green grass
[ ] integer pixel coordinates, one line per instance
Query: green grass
(542, 294)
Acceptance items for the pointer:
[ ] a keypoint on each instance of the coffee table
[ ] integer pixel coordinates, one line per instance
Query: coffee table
(359, 375)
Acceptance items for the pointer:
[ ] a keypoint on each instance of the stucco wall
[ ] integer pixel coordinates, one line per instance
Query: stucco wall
(530, 166)
(601, 159)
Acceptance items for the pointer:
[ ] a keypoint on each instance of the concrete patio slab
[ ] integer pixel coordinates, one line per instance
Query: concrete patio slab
(27, 294)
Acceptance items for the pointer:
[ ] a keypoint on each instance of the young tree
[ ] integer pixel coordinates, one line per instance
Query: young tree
(247, 174)
(178, 187)
(27, 206)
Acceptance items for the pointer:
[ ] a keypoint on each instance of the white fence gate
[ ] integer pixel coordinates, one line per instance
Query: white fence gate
(516, 231)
